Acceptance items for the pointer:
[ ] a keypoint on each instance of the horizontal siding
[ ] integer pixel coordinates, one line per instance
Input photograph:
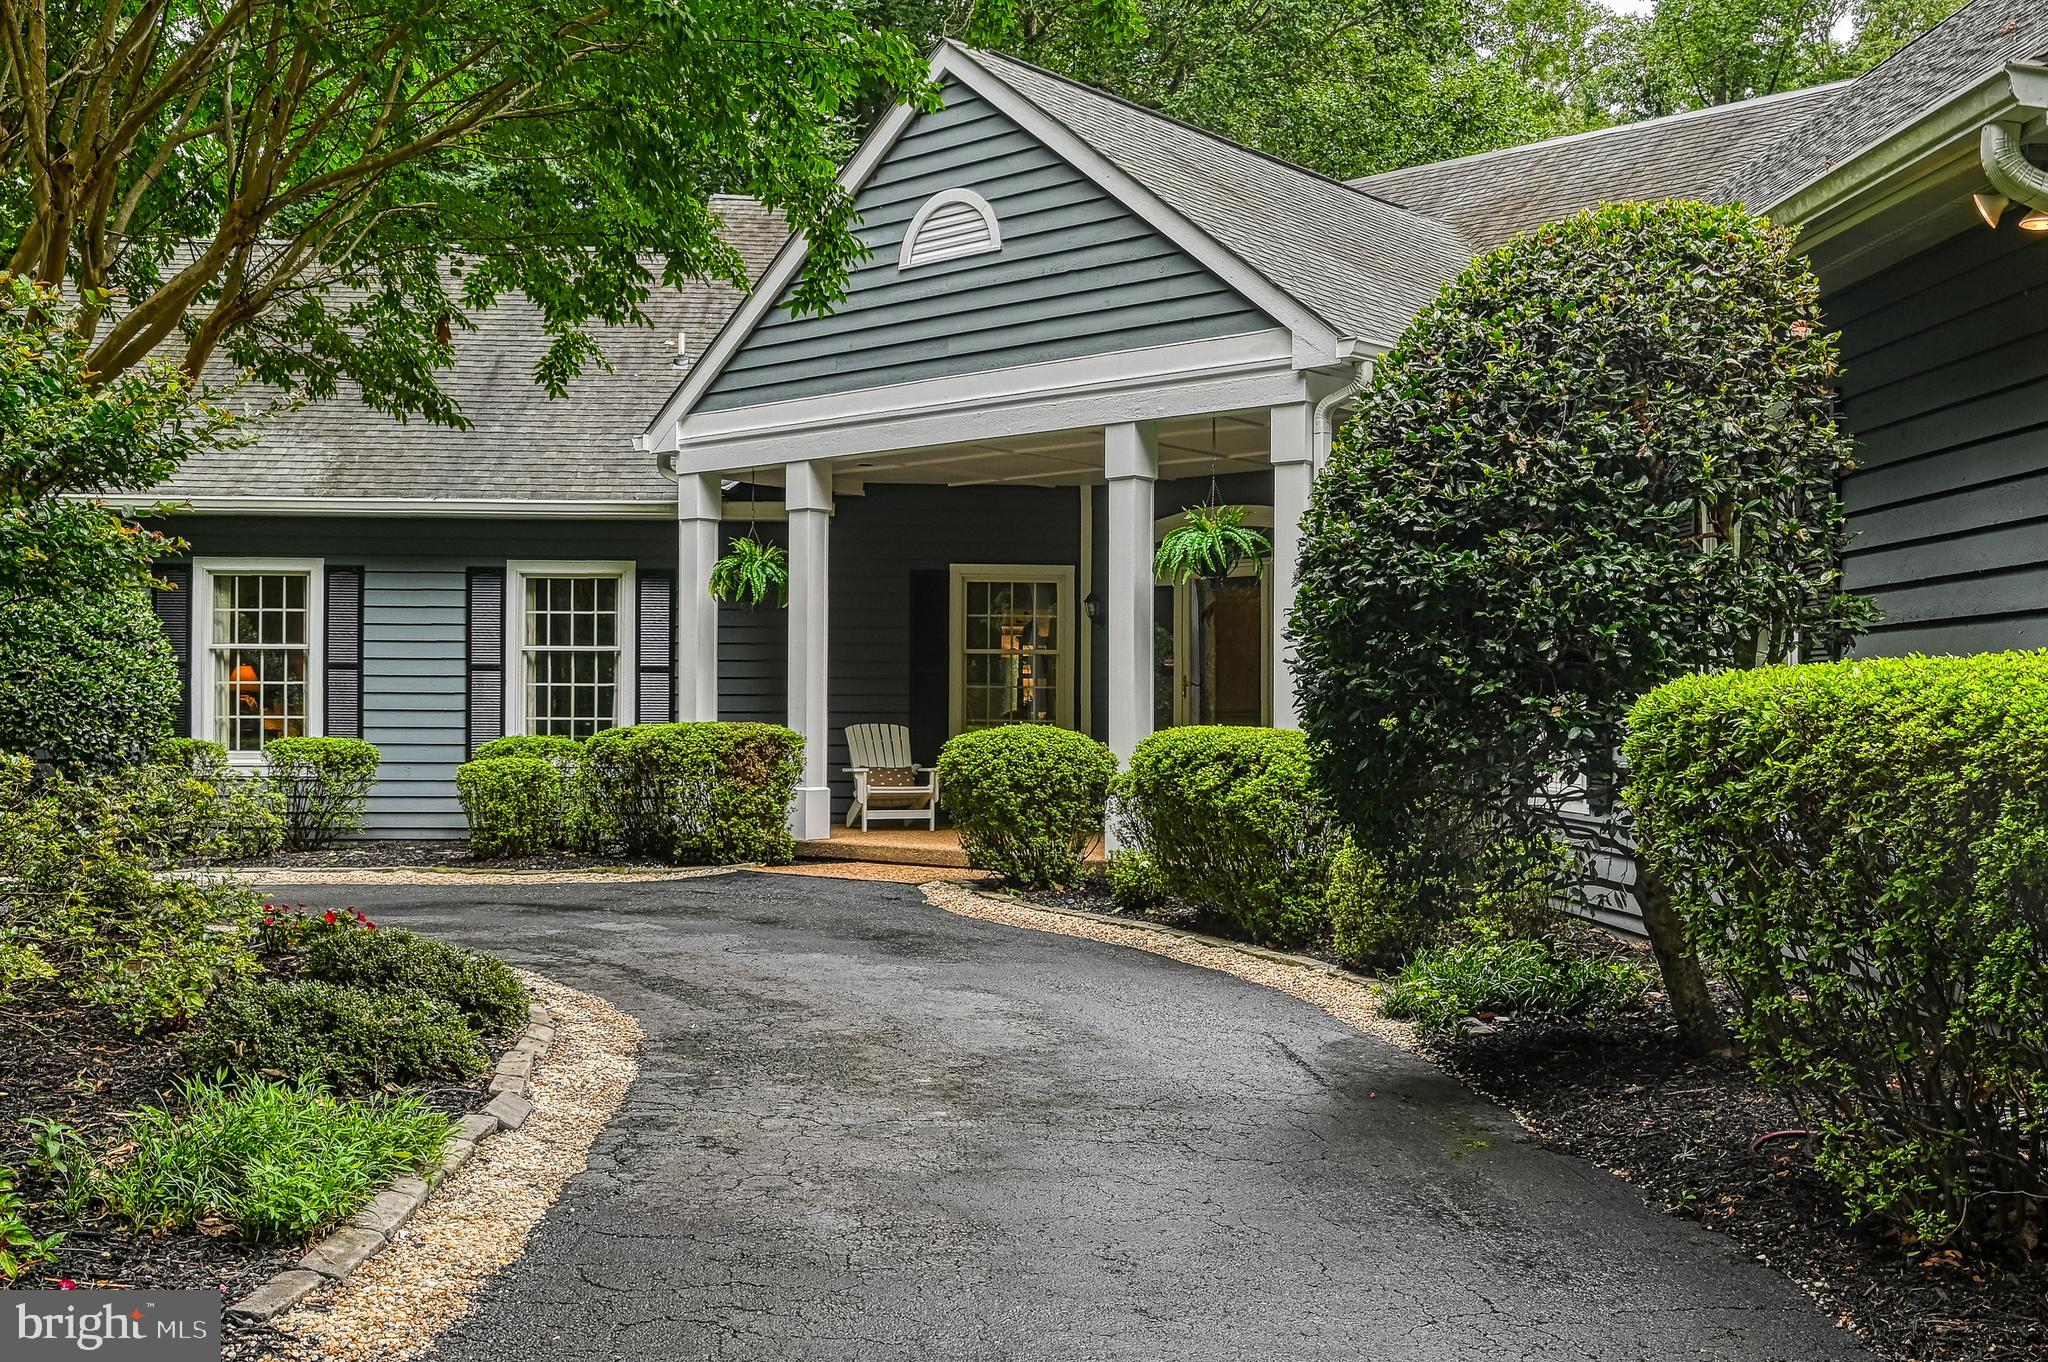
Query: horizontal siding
(1077, 274)
(414, 677)
(1945, 388)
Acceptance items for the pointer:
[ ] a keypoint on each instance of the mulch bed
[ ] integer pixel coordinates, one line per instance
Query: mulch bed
(82, 1066)
(444, 854)
(1624, 1096)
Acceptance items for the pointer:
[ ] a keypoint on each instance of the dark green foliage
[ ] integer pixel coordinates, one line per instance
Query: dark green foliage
(1233, 825)
(188, 806)
(481, 987)
(350, 1039)
(1862, 848)
(692, 794)
(515, 805)
(1493, 972)
(1027, 799)
(565, 753)
(275, 1160)
(1214, 540)
(324, 783)
(79, 905)
(1470, 875)
(752, 573)
(87, 678)
(1507, 548)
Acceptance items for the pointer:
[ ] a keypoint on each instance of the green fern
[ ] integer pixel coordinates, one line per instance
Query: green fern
(752, 573)
(1213, 542)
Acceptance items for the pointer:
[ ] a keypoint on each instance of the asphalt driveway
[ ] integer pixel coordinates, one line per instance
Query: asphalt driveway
(865, 1128)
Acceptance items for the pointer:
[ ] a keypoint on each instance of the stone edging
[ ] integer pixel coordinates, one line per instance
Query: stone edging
(331, 1260)
(1178, 933)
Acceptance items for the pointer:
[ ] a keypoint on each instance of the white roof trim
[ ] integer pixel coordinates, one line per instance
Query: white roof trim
(1318, 344)
(914, 251)
(497, 509)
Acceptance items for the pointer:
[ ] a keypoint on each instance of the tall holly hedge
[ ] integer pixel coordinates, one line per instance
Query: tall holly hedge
(1604, 457)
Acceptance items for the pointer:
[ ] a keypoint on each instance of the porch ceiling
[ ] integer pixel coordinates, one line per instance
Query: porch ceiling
(1235, 442)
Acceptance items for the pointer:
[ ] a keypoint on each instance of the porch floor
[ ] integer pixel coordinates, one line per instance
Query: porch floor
(889, 846)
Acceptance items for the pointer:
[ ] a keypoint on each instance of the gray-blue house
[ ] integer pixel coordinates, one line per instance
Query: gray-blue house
(1078, 320)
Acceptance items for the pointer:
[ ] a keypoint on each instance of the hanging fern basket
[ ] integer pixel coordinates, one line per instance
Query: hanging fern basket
(752, 574)
(1214, 543)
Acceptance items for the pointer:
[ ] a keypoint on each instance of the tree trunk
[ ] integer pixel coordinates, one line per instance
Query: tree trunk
(1685, 981)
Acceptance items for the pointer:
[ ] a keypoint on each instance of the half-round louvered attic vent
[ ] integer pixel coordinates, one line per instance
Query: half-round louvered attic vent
(952, 223)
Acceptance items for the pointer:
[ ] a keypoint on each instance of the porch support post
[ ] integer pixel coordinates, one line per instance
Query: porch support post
(808, 494)
(1130, 456)
(1294, 472)
(697, 542)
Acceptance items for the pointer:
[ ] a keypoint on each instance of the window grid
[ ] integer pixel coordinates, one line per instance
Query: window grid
(571, 648)
(260, 657)
(1010, 653)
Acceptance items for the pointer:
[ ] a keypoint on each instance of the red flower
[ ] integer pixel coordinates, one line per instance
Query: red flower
(66, 1284)
(330, 916)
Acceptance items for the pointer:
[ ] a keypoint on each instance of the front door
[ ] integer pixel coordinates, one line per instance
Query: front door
(1211, 659)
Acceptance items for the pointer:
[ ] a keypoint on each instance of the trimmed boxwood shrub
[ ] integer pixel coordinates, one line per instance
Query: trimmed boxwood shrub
(563, 752)
(515, 805)
(324, 783)
(1234, 825)
(1373, 921)
(1862, 849)
(1027, 799)
(481, 987)
(351, 1039)
(87, 678)
(189, 803)
(691, 794)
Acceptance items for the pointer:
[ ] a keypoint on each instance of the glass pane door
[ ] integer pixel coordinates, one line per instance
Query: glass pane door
(1227, 620)
(1010, 654)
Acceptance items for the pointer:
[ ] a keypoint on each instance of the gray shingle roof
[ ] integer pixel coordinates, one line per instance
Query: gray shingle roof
(1361, 264)
(522, 445)
(1492, 196)
(1970, 46)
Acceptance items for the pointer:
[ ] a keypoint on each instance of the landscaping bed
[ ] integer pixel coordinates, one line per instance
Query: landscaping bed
(1626, 1097)
(439, 854)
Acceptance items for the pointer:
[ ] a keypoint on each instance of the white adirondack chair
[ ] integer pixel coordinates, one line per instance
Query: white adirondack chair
(886, 747)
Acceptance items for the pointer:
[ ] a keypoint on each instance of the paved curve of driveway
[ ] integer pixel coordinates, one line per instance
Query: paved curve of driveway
(865, 1128)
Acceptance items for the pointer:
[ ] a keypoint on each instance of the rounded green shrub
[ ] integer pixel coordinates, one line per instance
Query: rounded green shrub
(87, 681)
(351, 1039)
(481, 987)
(196, 756)
(515, 805)
(1862, 850)
(691, 794)
(324, 784)
(188, 806)
(1234, 825)
(563, 752)
(1133, 881)
(1374, 921)
(1027, 799)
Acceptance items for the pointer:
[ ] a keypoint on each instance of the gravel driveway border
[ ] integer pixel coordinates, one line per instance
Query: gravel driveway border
(1351, 998)
(346, 1248)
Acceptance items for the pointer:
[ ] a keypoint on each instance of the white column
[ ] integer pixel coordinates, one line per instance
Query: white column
(697, 543)
(1130, 457)
(808, 493)
(1294, 471)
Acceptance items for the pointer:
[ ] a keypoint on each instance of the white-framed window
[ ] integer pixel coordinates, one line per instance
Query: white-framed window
(951, 223)
(1012, 645)
(256, 651)
(569, 629)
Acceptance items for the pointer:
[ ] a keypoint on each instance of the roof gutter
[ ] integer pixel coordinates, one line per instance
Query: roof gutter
(2006, 163)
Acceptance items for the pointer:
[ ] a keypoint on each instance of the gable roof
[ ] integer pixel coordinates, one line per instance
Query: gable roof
(1496, 194)
(1362, 264)
(522, 445)
(1970, 46)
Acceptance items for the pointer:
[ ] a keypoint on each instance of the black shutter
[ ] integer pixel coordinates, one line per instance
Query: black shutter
(486, 654)
(343, 703)
(173, 603)
(654, 685)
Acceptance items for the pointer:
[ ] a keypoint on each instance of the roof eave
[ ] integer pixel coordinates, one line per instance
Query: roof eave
(1827, 204)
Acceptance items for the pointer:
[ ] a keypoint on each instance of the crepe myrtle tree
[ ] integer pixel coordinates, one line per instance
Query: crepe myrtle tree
(1605, 456)
(325, 190)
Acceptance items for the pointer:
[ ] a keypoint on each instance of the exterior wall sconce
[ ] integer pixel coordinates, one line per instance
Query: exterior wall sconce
(1091, 606)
